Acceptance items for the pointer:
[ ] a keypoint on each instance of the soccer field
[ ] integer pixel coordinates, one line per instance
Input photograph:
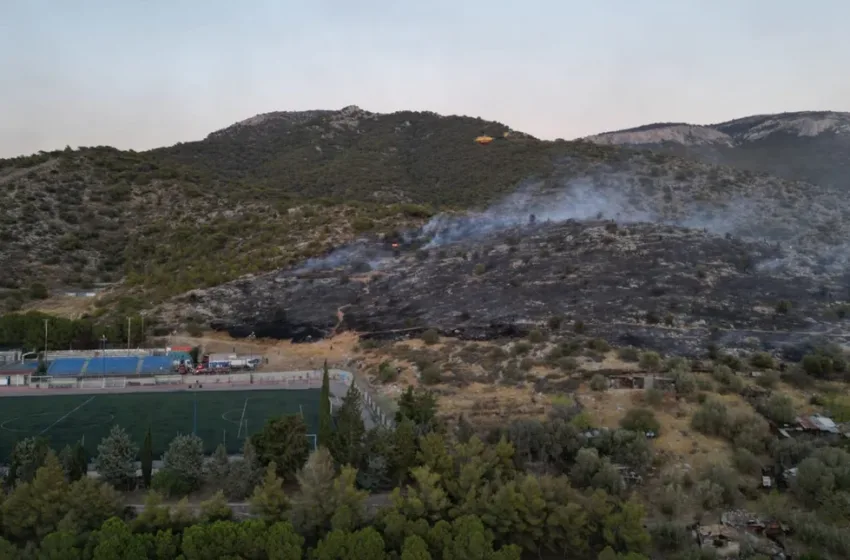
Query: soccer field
(222, 416)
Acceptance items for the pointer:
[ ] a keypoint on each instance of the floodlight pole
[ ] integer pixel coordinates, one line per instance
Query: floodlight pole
(103, 354)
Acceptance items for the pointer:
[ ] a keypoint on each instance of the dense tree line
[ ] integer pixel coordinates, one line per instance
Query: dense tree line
(453, 495)
(26, 331)
(548, 488)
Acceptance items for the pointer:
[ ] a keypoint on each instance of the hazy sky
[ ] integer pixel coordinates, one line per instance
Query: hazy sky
(145, 73)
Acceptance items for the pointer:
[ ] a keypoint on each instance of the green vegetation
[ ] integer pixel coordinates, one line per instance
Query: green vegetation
(90, 416)
(26, 330)
(256, 197)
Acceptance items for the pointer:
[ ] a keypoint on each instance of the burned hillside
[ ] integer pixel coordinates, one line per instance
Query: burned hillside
(650, 285)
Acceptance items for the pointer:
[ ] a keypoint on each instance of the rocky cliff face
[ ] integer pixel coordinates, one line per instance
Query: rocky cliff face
(665, 287)
(812, 146)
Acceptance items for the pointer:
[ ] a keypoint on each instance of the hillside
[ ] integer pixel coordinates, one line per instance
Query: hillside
(277, 189)
(628, 284)
(805, 146)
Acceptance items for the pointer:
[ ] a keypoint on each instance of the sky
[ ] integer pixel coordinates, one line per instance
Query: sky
(138, 74)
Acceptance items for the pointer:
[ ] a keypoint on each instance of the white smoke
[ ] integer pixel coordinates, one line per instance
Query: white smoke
(578, 200)
(620, 198)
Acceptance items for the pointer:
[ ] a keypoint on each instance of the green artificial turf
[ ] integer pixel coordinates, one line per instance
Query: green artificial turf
(65, 419)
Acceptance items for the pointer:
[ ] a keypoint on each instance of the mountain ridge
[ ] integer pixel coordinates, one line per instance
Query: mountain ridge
(811, 146)
(277, 189)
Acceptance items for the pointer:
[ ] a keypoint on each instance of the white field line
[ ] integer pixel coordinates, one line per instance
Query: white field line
(75, 409)
(242, 418)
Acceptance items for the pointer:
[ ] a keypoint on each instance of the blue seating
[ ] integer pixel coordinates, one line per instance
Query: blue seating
(66, 366)
(156, 364)
(113, 365)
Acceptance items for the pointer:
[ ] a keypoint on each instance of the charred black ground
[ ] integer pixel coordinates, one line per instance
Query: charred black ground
(662, 287)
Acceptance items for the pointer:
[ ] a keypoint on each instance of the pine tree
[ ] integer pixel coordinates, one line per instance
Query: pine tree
(269, 501)
(116, 455)
(347, 445)
(325, 425)
(147, 458)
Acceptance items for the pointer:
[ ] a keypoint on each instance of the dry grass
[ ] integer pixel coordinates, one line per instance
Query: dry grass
(65, 306)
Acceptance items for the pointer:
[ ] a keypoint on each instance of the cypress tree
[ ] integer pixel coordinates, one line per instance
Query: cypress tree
(80, 462)
(147, 458)
(325, 425)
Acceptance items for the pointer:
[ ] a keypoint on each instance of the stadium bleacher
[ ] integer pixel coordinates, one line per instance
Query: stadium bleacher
(156, 364)
(113, 365)
(66, 366)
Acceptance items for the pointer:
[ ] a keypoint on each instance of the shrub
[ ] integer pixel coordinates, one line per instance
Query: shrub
(762, 360)
(722, 373)
(536, 336)
(711, 419)
(39, 291)
(778, 408)
(430, 337)
(629, 354)
(568, 364)
(650, 361)
(640, 420)
(599, 382)
(431, 374)
(387, 373)
(479, 269)
(746, 462)
(598, 345)
(521, 348)
(685, 384)
(554, 322)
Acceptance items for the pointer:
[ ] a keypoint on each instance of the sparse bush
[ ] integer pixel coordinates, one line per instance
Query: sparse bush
(653, 397)
(722, 374)
(479, 269)
(641, 420)
(686, 384)
(629, 354)
(732, 362)
(599, 382)
(768, 379)
(579, 327)
(568, 364)
(554, 322)
(526, 364)
(431, 337)
(39, 291)
(387, 373)
(711, 419)
(431, 374)
(536, 336)
(598, 345)
(783, 307)
(521, 348)
(778, 408)
(650, 361)
(719, 487)
(677, 364)
(746, 462)
(762, 360)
